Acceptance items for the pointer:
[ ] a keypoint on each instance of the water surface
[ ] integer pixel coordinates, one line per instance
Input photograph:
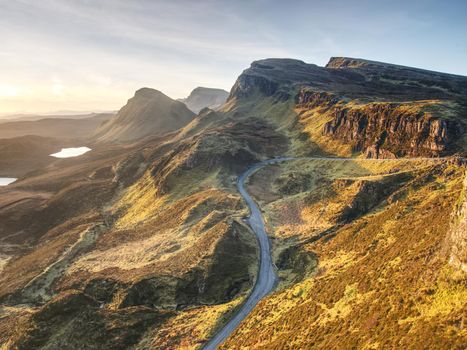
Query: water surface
(6, 180)
(71, 152)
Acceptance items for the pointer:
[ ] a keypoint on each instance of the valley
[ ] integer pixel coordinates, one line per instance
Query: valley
(267, 278)
(341, 261)
(318, 207)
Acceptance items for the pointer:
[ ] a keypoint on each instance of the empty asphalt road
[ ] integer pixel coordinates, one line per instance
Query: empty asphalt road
(267, 277)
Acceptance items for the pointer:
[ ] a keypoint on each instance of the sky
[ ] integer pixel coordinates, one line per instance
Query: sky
(91, 55)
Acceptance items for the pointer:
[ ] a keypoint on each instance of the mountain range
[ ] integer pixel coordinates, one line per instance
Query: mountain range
(143, 242)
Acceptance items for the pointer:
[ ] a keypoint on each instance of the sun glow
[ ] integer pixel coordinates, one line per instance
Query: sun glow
(8, 91)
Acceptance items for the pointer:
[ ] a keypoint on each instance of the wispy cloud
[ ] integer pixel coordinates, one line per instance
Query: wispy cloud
(99, 51)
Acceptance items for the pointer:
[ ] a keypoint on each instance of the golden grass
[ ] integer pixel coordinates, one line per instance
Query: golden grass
(191, 328)
(291, 216)
(171, 231)
(449, 296)
(140, 202)
(3, 261)
(380, 280)
(334, 264)
(343, 307)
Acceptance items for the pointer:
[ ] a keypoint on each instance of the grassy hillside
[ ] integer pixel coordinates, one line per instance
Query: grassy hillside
(361, 252)
(148, 234)
(140, 243)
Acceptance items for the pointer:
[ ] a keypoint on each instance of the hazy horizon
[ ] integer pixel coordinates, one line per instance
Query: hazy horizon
(86, 56)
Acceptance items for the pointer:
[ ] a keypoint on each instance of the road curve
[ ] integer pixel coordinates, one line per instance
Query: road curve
(267, 277)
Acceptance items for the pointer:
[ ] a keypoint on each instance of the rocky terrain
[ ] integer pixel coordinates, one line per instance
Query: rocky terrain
(387, 129)
(202, 97)
(140, 243)
(360, 106)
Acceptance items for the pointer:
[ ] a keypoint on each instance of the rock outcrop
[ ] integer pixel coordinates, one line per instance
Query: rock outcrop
(352, 78)
(172, 258)
(379, 109)
(390, 130)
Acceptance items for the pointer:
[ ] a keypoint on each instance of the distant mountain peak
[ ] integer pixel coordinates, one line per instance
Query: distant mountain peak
(148, 92)
(149, 113)
(202, 97)
(205, 89)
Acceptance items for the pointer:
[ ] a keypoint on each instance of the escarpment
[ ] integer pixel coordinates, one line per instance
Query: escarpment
(386, 129)
(246, 85)
(142, 243)
(390, 130)
(380, 110)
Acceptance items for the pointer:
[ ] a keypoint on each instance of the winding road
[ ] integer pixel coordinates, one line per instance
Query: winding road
(267, 277)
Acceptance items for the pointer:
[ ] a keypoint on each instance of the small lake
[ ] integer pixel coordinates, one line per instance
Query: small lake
(71, 152)
(6, 180)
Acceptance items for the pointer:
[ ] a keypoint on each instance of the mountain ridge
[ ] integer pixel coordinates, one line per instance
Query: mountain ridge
(347, 101)
(351, 62)
(142, 241)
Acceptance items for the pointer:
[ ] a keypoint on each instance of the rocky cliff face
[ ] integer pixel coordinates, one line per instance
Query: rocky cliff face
(141, 244)
(353, 78)
(379, 109)
(312, 99)
(390, 130)
(246, 85)
(275, 76)
(385, 129)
